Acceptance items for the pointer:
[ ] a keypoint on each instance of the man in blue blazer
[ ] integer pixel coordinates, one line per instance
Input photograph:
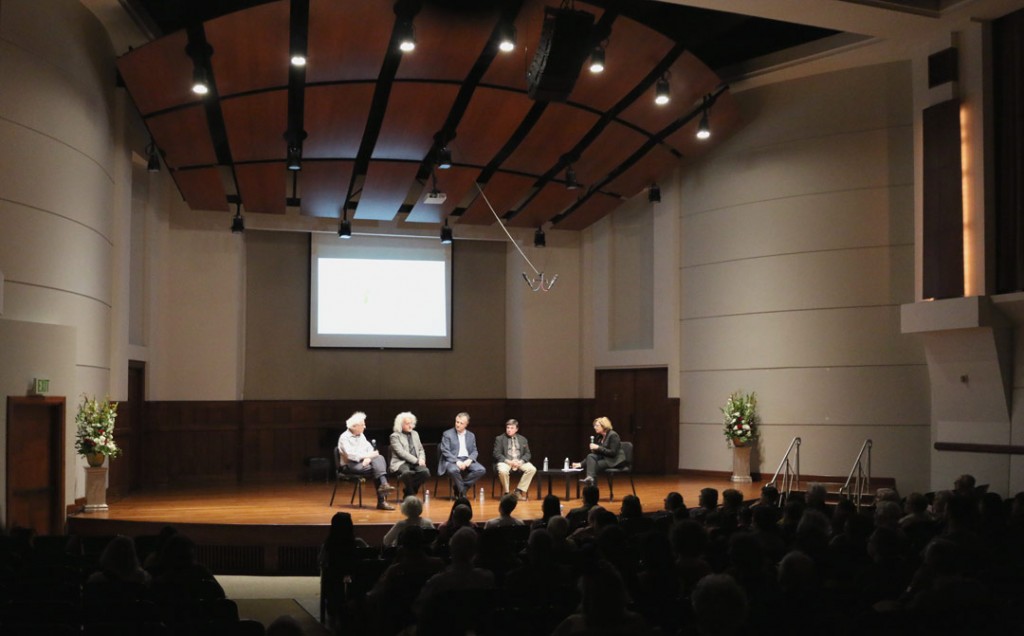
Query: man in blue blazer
(458, 455)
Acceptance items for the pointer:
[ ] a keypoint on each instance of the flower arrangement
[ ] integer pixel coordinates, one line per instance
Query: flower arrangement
(741, 418)
(95, 420)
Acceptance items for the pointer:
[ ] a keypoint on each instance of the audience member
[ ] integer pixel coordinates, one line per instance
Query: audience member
(459, 576)
(719, 606)
(603, 609)
(506, 507)
(577, 517)
(706, 504)
(285, 625)
(551, 506)
(412, 508)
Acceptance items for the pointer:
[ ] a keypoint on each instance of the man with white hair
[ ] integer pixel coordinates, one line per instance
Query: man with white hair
(408, 459)
(362, 457)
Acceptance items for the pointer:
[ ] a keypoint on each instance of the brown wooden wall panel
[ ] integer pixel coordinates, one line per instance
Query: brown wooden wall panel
(237, 65)
(323, 186)
(160, 74)
(436, 56)
(552, 199)
(456, 183)
(335, 117)
(256, 124)
(557, 131)
(202, 188)
(504, 190)
(184, 137)
(262, 186)
(384, 189)
(488, 123)
(416, 112)
(347, 40)
(264, 440)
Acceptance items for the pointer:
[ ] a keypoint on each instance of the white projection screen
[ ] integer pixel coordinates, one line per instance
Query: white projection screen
(380, 292)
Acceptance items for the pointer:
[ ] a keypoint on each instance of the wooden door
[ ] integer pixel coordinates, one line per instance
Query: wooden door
(637, 402)
(35, 463)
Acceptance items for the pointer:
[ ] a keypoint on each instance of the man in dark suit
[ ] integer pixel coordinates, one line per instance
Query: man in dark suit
(458, 455)
(512, 452)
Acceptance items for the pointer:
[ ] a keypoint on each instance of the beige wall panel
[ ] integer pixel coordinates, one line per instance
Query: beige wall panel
(825, 450)
(970, 353)
(994, 470)
(57, 105)
(836, 163)
(816, 396)
(279, 364)
(864, 277)
(55, 307)
(812, 338)
(834, 220)
(28, 245)
(47, 174)
(543, 338)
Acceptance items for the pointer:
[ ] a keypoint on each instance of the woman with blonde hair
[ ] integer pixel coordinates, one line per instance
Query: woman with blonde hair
(605, 450)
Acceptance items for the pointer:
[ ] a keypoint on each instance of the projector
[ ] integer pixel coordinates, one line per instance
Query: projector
(435, 198)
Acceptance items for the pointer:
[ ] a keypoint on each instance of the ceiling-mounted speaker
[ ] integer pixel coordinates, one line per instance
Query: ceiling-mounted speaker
(564, 46)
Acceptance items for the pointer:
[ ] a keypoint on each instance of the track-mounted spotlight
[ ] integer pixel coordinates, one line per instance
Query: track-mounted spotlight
(345, 229)
(704, 128)
(200, 82)
(662, 91)
(444, 158)
(294, 157)
(507, 38)
(152, 158)
(570, 178)
(597, 59)
(539, 240)
(298, 59)
(446, 233)
(407, 38)
(238, 223)
(654, 193)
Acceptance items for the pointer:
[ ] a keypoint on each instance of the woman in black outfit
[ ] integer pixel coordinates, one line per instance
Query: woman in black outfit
(605, 450)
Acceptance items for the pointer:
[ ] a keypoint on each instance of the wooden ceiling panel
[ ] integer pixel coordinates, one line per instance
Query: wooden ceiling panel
(159, 74)
(723, 119)
(491, 118)
(202, 188)
(651, 168)
(238, 66)
(632, 52)
(262, 186)
(384, 190)
(416, 111)
(552, 199)
(555, 133)
(689, 81)
(612, 146)
(323, 186)
(184, 137)
(255, 124)
(504, 190)
(456, 183)
(347, 40)
(446, 49)
(594, 209)
(335, 117)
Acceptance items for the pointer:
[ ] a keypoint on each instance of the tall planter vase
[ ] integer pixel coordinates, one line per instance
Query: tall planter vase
(741, 464)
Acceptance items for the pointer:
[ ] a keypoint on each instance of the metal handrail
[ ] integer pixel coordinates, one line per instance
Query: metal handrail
(790, 476)
(861, 479)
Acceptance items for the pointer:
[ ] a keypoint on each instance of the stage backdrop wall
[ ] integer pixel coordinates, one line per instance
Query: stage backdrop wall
(797, 251)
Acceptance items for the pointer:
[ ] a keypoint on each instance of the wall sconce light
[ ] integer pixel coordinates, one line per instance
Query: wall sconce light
(654, 193)
(238, 223)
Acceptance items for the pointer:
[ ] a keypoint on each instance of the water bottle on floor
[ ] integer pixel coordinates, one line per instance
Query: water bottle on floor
(481, 496)
(426, 497)
(545, 464)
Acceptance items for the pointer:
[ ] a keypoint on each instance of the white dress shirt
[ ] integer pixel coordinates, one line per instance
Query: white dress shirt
(354, 447)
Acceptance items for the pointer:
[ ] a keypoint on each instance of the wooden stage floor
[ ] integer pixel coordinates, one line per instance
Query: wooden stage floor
(282, 524)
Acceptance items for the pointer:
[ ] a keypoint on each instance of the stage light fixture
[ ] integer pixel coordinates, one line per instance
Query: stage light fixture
(152, 157)
(704, 128)
(200, 83)
(298, 59)
(407, 38)
(597, 59)
(294, 157)
(570, 178)
(238, 223)
(654, 193)
(345, 230)
(507, 38)
(444, 158)
(539, 240)
(662, 91)
(446, 233)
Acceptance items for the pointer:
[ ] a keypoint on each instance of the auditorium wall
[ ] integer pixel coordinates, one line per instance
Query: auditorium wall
(58, 116)
(797, 249)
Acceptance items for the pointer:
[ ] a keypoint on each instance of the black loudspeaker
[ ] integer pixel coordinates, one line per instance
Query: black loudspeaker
(943, 67)
(563, 47)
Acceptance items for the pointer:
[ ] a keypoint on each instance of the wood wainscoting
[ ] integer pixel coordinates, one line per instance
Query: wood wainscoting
(224, 442)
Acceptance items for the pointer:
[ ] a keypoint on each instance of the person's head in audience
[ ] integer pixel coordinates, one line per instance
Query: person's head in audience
(888, 494)
(342, 530)
(962, 512)
(674, 501)
(285, 625)
(631, 507)
(745, 553)
(916, 504)
(813, 532)
(604, 595)
(688, 539)
(601, 518)
(179, 552)
(412, 508)
(792, 512)
(120, 561)
(591, 495)
(462, 547)
(886, 544)
(732, 500)
(764, 519)
(460, 501)
(655, 551)
(708, 498)
(844, 509)
(558, 528)
(887, 514)
(539, 547)
(798, 577)
(507, 505)
(769, 496)
(462, 516)
(940, 504)
(613, 544)
(551, 506)
(992, 511)
(964, 485)
(719, 605)
(944, 557)
(816, 495)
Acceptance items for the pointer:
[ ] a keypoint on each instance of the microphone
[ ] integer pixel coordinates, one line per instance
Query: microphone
(373, 443)
(591, 439)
